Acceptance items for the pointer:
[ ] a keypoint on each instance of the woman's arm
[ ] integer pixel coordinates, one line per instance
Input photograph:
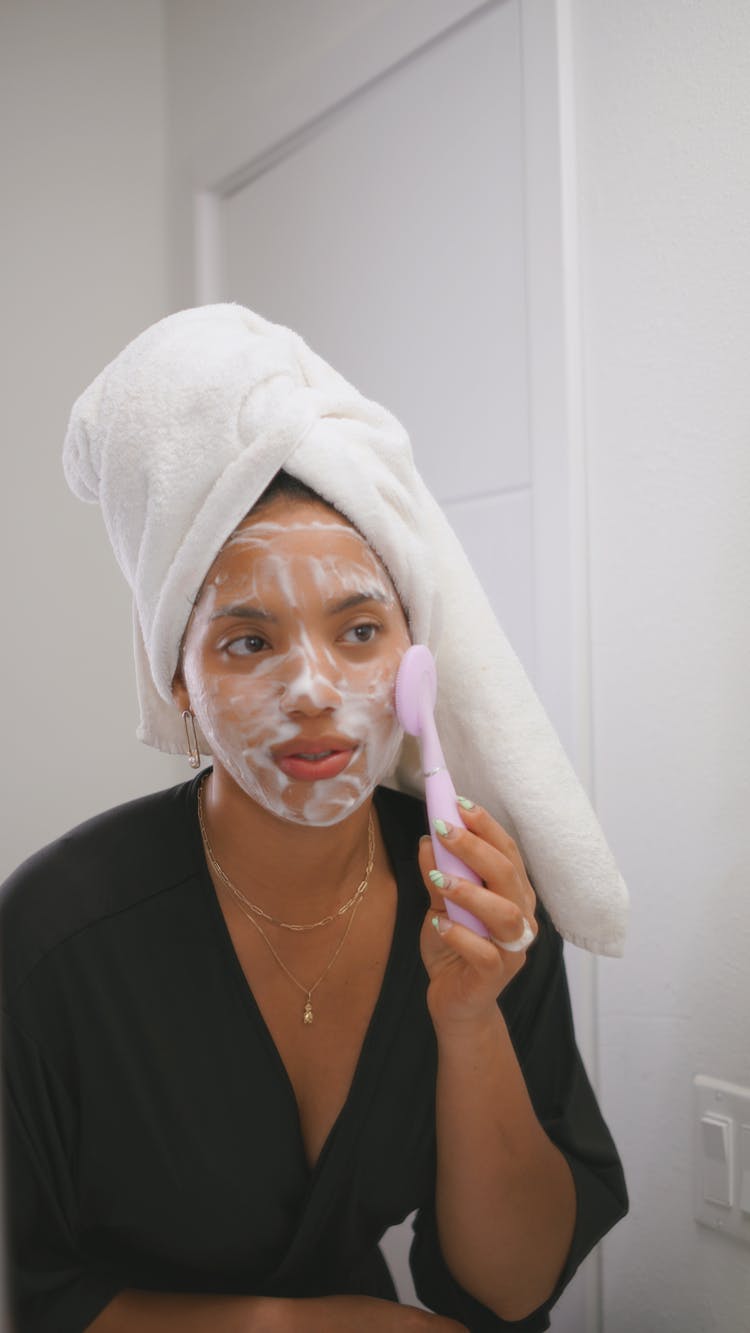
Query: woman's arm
(513, 1214)
(505, 1197)
(162, 1312)
(166, 1312)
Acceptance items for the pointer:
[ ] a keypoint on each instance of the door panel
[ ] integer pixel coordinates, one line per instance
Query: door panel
(392, 239)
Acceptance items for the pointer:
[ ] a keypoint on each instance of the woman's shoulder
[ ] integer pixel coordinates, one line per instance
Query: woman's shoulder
(101, 866)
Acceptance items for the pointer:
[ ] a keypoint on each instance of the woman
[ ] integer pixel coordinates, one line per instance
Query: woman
(240, 1041)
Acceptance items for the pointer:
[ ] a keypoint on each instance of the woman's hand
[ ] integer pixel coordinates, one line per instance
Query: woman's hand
(468, 972)
(366, 1314)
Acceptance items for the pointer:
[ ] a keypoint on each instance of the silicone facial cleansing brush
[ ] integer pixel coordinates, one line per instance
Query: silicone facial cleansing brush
(416, 695)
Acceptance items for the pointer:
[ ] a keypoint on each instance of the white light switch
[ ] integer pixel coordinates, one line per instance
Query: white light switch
(721, 1156)
(717, 1159)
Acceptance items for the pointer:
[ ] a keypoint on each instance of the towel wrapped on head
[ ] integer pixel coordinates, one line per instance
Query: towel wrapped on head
(181, 434)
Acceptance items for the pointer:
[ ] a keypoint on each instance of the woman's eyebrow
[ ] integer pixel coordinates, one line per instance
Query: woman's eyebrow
(333, 608)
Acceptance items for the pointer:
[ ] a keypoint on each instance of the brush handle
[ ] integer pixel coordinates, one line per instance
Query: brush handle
(440, 796)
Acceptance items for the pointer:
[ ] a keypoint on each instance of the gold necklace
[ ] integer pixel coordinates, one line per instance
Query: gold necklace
(307, 1015)
(274, 921)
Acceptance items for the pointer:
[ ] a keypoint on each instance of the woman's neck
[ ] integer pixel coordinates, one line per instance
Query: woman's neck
(297, 872)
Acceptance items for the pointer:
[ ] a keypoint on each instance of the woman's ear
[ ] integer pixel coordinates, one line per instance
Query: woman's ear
(179, 691)
(179, 688)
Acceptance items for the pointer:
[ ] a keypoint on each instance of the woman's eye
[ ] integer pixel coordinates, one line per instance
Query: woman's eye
(250, 645)
(368, 626)
(239, 647)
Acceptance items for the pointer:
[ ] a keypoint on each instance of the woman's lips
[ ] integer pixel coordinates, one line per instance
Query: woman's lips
(309, 770)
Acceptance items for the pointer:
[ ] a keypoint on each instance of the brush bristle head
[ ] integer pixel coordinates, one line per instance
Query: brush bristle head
(415, 680)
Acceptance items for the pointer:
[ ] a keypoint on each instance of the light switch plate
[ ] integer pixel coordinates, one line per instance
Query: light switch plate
(715, 1101)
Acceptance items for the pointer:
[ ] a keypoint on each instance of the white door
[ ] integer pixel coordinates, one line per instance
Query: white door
(363, 177)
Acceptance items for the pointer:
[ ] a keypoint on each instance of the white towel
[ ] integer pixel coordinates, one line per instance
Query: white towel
(178, 437)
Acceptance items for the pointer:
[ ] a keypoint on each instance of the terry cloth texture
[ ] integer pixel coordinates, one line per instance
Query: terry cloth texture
(179, 436)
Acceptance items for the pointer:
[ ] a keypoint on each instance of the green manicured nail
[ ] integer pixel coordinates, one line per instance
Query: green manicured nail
(441, 827)
(467, 805)
(437, 878)
(441, 924)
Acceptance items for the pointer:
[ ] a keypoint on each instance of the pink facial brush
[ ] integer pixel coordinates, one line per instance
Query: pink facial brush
(416, 693)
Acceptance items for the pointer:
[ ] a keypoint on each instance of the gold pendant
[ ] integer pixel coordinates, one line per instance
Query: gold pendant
(308, 1015)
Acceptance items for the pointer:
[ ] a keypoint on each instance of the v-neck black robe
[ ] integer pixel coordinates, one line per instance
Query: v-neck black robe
(151, 1133)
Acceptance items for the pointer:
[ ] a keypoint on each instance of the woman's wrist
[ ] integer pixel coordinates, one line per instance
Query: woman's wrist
(482, 1030)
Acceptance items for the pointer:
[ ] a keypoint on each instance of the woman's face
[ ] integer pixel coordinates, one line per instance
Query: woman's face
(273, 658)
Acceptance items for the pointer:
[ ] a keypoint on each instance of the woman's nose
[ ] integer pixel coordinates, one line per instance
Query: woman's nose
(311, 684)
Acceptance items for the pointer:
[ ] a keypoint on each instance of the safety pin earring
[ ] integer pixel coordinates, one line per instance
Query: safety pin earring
(194, 756)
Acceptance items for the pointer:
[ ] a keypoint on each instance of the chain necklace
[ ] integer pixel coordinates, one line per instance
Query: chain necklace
(358, 893)
(244, 904)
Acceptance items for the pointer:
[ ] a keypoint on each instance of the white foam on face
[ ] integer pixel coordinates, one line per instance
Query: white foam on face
(311, 675)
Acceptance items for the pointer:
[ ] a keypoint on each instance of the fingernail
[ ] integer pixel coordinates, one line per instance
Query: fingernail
(441, 881)
(441, 924)
(467, 805)
(442, 828)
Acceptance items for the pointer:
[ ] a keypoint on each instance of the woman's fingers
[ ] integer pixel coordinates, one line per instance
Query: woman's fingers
(481, 823)
(503, 918)
(478, 952)
(486, 848)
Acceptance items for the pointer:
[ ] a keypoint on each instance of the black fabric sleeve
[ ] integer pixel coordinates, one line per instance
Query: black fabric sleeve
(51, 1288)
(537, 1010)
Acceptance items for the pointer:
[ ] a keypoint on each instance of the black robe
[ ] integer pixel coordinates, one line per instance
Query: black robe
(151, 1133)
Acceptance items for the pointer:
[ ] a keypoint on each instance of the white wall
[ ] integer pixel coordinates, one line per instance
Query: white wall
(83, 271)
(664, 173)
